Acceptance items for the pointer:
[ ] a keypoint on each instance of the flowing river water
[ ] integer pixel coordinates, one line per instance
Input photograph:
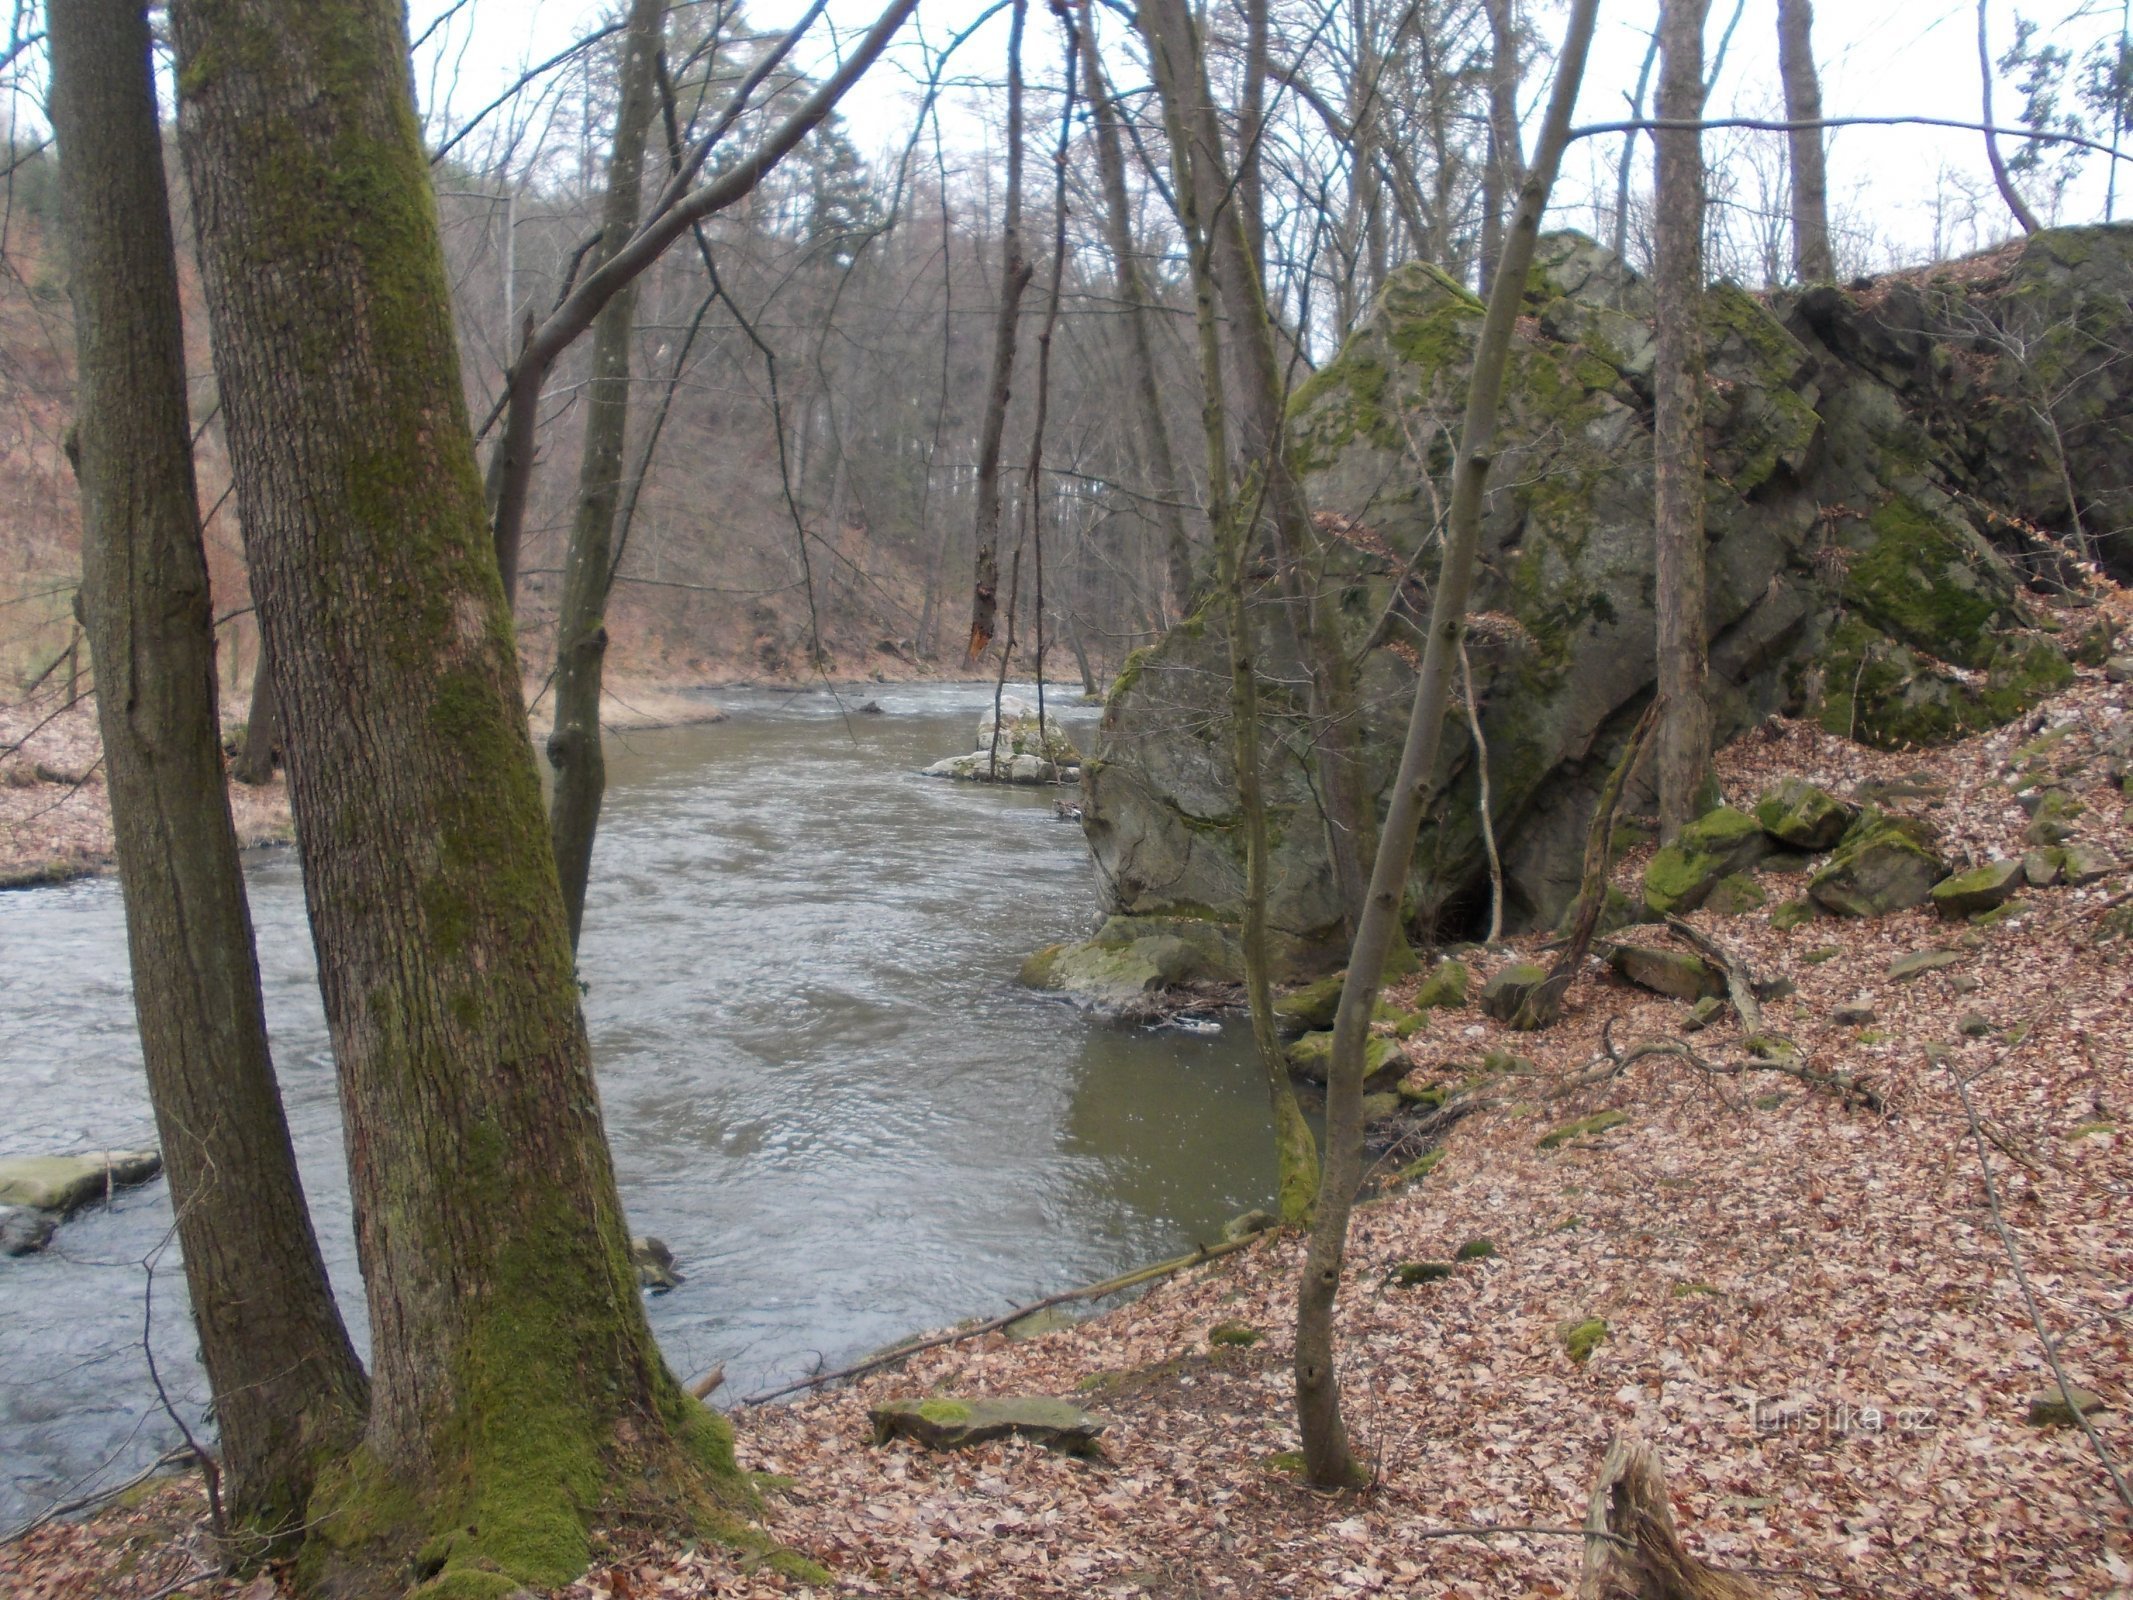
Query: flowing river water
(824, 1089)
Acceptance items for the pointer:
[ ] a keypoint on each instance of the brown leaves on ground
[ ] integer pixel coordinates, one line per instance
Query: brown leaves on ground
(1807, 1309)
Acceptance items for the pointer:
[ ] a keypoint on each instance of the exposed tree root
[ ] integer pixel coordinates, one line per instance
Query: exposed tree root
(1632, 1551)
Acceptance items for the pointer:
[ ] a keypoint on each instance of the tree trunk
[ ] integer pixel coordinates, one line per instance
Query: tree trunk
(2001, 178)
(1811, 259)
(262, 728)
(1015, 274)
(1295, 1147)
(287, 1387)
(1150, 443)
(1632, 1551)
(1329, 1461)
(1505, 171)
(588, 569)
(1684, 758)
(515, 1385)
(1181, 76)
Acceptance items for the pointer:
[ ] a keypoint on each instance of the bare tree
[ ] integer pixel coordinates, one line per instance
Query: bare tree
(2001, 178)
(1811, 258)
(1684, 753)
(1329, 1458)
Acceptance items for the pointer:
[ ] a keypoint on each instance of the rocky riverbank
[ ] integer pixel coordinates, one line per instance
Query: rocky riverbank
(1806, 1299)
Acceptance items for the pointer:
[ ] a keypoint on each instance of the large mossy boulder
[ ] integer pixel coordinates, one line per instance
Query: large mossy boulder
(1801, 816)
(1311, 1058)
(1979, 889)
(1674, 973)
(1124, 970)
(1898, 621)
(1716, 845)
(1883, 864)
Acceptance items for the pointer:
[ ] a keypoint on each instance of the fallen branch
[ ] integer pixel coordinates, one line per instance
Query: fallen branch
(1740, 983)
(1842, 1084)
(702, 1387)
(1094, 1291)
(1633, 1551)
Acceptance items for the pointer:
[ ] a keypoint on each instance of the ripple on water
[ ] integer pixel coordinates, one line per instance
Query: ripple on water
(823, 1089)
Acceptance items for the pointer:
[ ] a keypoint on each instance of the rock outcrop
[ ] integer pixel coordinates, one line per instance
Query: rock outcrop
(1859, 573)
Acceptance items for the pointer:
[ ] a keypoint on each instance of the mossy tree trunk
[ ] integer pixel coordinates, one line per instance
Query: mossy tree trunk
(1329, 1460)
(1684, 755)
(588, 567)
(515, 1384)
(287, 1387)
(1811, 258)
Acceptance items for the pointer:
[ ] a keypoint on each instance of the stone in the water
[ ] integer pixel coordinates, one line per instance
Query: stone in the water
(1795, 812)
(948, 1423)
(655, 1264)
(24, 1232)
(1504, 993)
(1312, 1056)
(1884, 864)
(1979, 889)
(64, 1183)
(1245, 1224)
(1669, 972)
(1130, 962)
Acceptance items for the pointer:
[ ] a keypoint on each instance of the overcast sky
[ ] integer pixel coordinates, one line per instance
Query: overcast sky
(1878, 57)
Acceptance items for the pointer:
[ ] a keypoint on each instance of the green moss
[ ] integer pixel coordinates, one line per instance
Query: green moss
(2087, 1129)
(1410, 1273)
(1599, 1122)
(1579, 1337)
(945, 1412)
(1447, 986)
(1237, 1334)
(1475, 1250)
(1289, 1463)
(1415, 1171)
(1683, 1291)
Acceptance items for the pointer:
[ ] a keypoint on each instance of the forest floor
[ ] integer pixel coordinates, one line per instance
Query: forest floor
(1815, 1312)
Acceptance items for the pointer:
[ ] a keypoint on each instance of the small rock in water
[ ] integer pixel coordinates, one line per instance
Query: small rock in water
(1066, 810)
(63, 1183)
(24, 1232)
(655, 1264)
(871, 709)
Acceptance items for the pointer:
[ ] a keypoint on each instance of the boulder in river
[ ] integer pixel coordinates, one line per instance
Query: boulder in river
(1897, 621)
(65, 1183)
(24, 1232)
(1024, 752)
(655, 1264)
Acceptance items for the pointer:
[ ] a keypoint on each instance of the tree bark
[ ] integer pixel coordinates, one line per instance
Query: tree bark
(1262, 440)
(2001, 178)
(1151, 442)
(1505, 170)
(262, 728)
(588, 569)
(1015, 274)
(1811, 259)
(1684, 754)
(1295, 1147)
(287, 1387)
(1632, 1551)
(515, 1385)
(1329, 1461)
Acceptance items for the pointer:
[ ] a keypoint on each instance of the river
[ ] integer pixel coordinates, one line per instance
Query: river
(824, 1089)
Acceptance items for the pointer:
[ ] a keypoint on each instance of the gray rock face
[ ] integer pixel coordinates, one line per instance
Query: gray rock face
(1899, 622)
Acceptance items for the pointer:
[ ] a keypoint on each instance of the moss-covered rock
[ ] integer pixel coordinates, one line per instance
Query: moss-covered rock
(1678, 974)
(1716, 845)
(1584, 1127)
(1506, 991)
(1446, 986)
(1797, 813)
(1736, 895)
(1884, 864)
(1311, 1056)
(947, 1423)
(1580, 1336)
(1979, 889)
(1792, 914)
